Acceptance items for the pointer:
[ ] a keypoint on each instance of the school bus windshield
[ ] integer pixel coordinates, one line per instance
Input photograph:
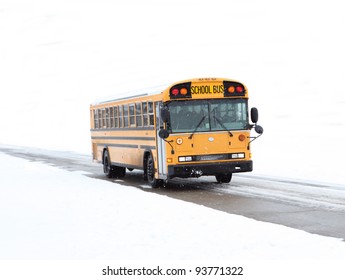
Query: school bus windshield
(208, 115)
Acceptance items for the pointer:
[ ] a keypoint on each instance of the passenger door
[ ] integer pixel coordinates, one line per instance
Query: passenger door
(161, 151)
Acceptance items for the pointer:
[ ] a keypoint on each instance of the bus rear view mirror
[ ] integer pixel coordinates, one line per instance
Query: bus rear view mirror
(259, 129)
(163, 133)
(165, 114)
(254, 115)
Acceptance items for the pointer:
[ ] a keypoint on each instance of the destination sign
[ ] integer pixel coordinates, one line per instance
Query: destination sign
(207, 89)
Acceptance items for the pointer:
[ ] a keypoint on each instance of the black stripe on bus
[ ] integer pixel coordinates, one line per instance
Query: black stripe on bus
(145, 147)
(120, 145)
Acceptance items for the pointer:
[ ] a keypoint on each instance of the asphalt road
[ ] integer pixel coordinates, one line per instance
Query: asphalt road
(263, 199)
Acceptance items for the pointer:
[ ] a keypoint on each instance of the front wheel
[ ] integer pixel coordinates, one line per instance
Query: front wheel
(150, 173)
(224, 178)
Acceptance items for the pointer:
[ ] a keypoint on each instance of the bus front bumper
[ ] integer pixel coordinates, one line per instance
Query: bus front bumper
(208, 169)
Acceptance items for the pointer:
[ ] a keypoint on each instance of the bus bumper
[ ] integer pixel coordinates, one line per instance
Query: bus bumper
(207, 169)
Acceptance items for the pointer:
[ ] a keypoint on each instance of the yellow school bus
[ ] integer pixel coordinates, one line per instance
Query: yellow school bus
(197, 127)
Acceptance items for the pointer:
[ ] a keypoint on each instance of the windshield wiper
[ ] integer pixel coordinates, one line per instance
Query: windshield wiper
(196, 128)
(223, 126)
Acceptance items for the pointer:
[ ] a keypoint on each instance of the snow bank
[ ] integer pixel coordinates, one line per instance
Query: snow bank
(49, 213)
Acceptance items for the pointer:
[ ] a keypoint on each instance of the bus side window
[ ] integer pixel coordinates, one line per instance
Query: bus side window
(99, 118)
(107, 118)
(103, 118)
(111, 113)
(145, 122)
(120, 115)
(131, 115)
(116, 118)
(138, 114)
(95, 118)
(151, 115)
(125, 115)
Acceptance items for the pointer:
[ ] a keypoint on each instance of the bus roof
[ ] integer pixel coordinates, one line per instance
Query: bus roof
(131, 94)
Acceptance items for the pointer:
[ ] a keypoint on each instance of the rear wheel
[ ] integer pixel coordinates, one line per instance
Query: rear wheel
(224, 178)
(112, 171)
(150, 173)
(107, 167)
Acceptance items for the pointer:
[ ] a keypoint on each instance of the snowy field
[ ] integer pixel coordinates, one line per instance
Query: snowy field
(55, 215)
(57, 57)
(49, 213)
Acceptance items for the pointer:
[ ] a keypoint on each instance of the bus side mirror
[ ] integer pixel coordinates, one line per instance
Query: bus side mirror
(165, 114)
(163, 133)
(254, 115)
(259, 129)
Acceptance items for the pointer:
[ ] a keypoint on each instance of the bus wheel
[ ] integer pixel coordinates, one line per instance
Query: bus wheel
(150, 173)
(107, 167)
(224, 178)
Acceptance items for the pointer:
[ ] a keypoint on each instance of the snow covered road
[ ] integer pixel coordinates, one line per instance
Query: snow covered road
(314, 195)
(312, 207)
(51, 213)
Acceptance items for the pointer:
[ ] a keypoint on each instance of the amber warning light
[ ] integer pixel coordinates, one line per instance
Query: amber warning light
(233, 89)
(237, 89)
(181, 91)
(176, 91)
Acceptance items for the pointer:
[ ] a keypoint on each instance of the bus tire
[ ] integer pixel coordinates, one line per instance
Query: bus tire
(224, 178)
(150, 173)
(108, 169)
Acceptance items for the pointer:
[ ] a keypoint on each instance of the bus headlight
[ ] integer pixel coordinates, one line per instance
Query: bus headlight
(239, 155)
(183, 159)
